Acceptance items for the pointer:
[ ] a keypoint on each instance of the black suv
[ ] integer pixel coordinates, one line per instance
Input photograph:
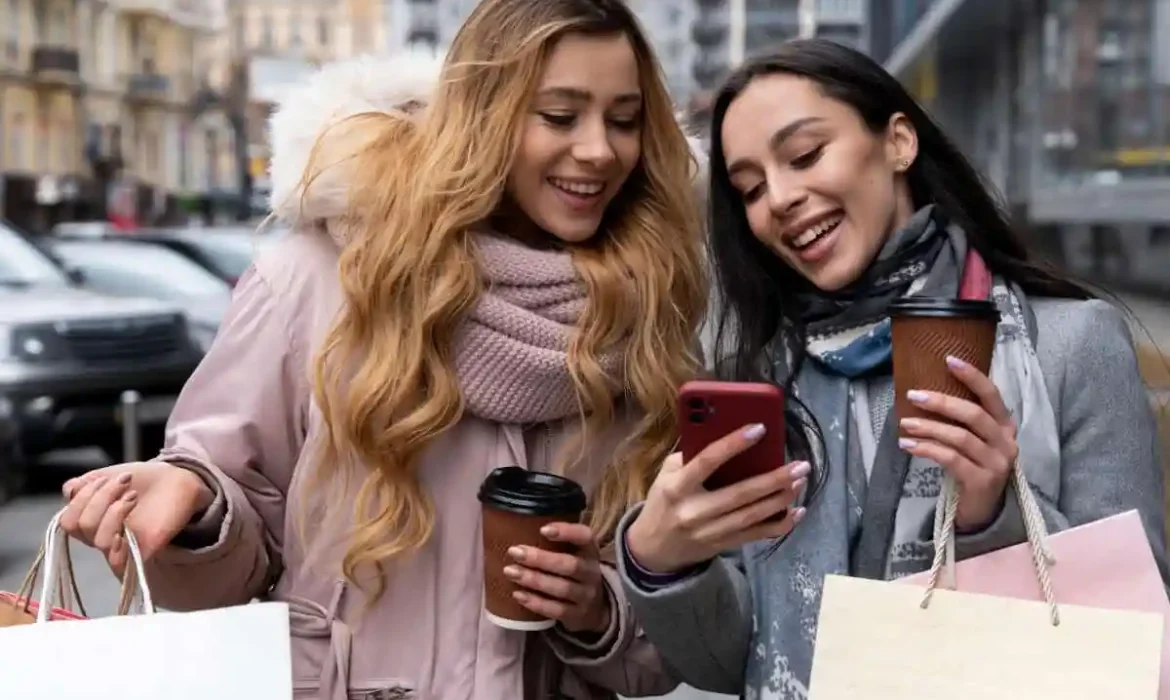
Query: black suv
(68, 354)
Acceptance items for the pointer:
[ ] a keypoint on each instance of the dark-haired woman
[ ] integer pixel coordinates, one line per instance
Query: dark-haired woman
(832, 195)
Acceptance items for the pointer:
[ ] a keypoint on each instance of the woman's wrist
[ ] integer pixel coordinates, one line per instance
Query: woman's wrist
(649, 576)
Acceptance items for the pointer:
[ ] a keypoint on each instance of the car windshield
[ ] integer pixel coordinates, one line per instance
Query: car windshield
(231, 253)
(23, 265)
(135, 269)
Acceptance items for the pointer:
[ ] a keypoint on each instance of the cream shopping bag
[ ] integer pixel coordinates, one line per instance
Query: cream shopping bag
(887, 641)
(238, 652)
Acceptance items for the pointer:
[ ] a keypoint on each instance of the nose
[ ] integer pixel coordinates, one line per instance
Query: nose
(784, 197)
(593, 146)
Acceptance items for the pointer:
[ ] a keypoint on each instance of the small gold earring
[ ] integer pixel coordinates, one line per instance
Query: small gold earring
(905, 164)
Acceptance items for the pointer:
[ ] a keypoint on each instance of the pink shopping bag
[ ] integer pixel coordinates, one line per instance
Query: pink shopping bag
(1106, 564)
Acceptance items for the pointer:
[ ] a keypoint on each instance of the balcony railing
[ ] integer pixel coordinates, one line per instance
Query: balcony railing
(710, 27)
(55, 59)
(840, 12)
(708, 69)
(424, 16)
(148, 86)
(708, 34)
(189, 13)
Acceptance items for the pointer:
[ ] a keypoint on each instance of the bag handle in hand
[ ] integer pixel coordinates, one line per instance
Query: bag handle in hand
(1037, 531)
(55, 552)
(68, 598)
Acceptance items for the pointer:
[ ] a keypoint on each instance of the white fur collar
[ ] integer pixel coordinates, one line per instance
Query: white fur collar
(335, 92)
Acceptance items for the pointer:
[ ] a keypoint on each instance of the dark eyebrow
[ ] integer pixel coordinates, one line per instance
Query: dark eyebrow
(579, 95)
(782, 134)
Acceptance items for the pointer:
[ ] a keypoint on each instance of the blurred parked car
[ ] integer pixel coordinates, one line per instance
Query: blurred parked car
(129, 268)
(224, 253)
(67, 355)
(84, 229)
(11, 473)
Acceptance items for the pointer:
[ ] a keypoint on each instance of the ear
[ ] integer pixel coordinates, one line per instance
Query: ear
(901, 142)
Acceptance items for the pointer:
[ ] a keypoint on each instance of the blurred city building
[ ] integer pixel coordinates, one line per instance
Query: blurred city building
(270, 45)
(668, 24)
(100, 102)
(726, 31)
(423, 25)
(1065, 104)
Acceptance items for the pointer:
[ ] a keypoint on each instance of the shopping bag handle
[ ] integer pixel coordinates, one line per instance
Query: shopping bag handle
(68, 598)
(1037, 532)
(57, 541)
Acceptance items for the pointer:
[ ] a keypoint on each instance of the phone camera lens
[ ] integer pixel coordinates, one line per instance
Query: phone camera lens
(698, 416)
(698, 404)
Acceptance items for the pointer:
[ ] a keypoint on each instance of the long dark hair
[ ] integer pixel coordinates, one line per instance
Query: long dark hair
(757, 302)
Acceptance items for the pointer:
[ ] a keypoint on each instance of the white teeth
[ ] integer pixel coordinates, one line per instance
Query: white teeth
(811, 234)
(585, 189)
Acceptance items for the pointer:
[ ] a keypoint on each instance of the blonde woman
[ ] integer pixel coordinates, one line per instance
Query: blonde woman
(501, 272)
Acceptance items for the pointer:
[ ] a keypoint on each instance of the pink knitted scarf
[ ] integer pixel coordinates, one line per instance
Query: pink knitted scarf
(513, 349)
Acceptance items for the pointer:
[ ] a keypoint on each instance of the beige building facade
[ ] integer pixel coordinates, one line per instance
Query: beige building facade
(102, 94)
(278, 41)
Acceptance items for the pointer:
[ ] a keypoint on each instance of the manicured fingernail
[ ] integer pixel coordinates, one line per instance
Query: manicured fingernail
(955, 363)
(907, 443)
(116, 543)
(799, 485)
(520, 596)
(800, 469)
(68, 489)
(798, 515)
(516, 553)
(909, 423)
(917, 396)
(754, 432)
(125, 478)
(512, 572)
(130, 496)
(549, 531)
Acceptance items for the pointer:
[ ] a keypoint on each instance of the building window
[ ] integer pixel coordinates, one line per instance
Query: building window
(18, 142)
(59, 34)
(295, 38)
(43, 130)
(12, 36)
(153, 151)
(323, 31)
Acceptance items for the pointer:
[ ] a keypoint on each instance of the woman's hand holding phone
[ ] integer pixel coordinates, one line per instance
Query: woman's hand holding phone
(683, 524)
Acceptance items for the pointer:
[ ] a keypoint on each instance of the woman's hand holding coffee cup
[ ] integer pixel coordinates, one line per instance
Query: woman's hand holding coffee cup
(683, 524)
(974, 442)
(567, 588)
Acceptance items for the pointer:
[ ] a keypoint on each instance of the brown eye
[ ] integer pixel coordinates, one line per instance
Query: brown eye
(558, 119)
(808, 159)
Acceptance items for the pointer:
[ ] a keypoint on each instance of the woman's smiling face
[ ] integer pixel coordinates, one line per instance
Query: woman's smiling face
(820, 188)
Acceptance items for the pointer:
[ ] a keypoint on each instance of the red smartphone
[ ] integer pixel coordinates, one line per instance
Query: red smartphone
(710, 410)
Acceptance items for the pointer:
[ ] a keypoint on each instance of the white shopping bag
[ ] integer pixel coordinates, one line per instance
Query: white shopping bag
(239, 652)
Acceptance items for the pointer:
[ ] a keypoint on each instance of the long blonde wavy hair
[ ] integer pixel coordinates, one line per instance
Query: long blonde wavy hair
(384, 377)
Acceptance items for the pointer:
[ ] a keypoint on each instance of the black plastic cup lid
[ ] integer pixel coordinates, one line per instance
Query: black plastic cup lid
(942, 307)
(531, 493)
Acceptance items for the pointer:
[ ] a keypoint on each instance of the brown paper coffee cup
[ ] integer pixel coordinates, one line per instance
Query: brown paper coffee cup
(517, 503)
(924, 332)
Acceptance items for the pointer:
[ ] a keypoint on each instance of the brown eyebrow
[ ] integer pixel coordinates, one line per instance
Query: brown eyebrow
(777, 139)
(579, 95)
